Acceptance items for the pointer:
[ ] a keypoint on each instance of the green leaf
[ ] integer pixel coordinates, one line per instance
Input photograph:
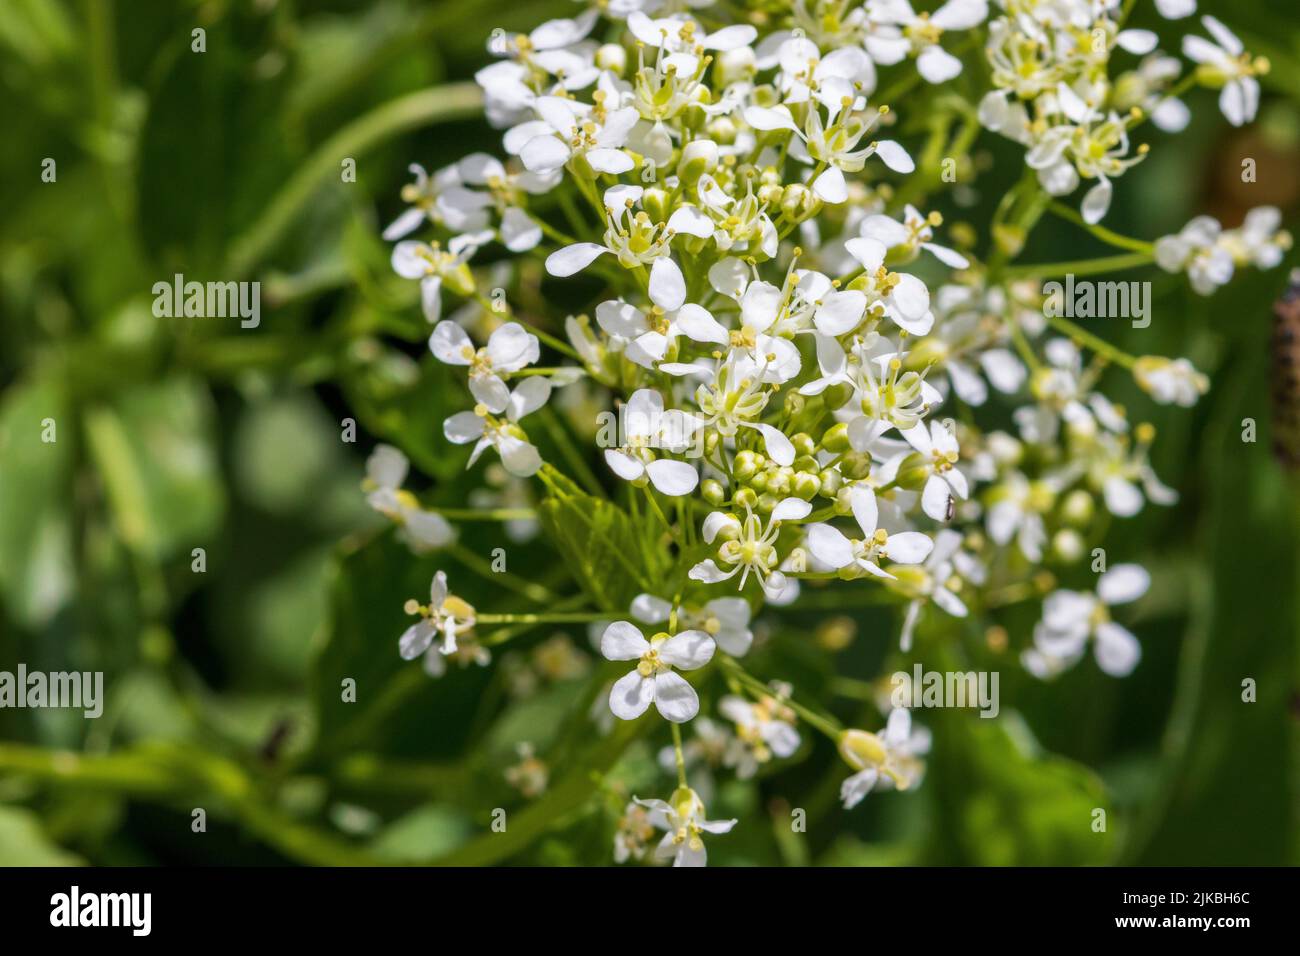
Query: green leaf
(36, 567)
(155, 450)
(23, 842)
(1003, 802)
(603, 548)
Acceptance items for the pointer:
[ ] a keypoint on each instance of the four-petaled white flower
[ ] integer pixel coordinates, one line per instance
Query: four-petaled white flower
(748, 545)
(445, 615)
(653, 680)
(519, 457)
(1226, 63)
(683, 819)
(1070, 618)
(386, 470)
(891, 758)
(833, 548)
(510, 348)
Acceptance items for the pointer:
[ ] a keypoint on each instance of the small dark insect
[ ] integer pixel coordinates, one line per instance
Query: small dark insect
(275, 740)
(1286, 374)
(951, 509)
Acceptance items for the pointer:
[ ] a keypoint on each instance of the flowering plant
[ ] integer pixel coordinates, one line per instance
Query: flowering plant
(764, 378)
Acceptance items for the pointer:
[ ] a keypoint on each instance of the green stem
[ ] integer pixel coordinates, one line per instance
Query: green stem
(1080, 267)
(454, 101)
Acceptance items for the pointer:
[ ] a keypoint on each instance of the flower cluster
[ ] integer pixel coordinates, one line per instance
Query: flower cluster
(799, 358)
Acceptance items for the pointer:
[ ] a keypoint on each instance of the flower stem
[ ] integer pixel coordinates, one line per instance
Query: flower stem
(681, 757)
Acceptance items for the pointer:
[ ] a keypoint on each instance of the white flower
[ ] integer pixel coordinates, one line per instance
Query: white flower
(737, 394)
(386, 470)
(636, 240)
(748, 546)
(425, 198)
(432, 266)
(889, 759)
(902, 297)
(683, 819)
(939, 581)
(833, 548)
(653, 681)
(1070, 618)
(1226, 63)
(445, 615)
(1170, 381)
(1196, 251)
(764, 727)
(1176, 9)
(519, 457)
(725, 619)
(939, 452)
(569, 130)
(834, 142)
(647, 426)
(913, 233)
(510, 348)
(1259, 240)
(919, 34)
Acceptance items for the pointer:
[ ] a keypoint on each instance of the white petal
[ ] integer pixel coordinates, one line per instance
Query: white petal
(1096, 201)
(462, 428)
(791, 509)
(1139, 42)
(908, 547)
(623, 641)
(631, 695)
(840, 312)
(699, 325)
(1123, 583)
(544, 153)
(830, 186)
(667, 284)
(935, 498)
(572, 259)
(894, 156)
(779, 448)
(673, 477)
(675, 699)
(628, 467)
(829, 545)
(1117, 650)
(687, 650)
(691, 221)
(613, 161)
(937, 65)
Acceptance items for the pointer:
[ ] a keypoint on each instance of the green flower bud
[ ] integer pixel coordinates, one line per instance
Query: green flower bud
(836, 438)
(766, 503)
(745, 498)
(1078, 508)
(712, 491)
(806, 463)
(745, 465)
(655, 202)
(761, 481)
(803, 443)
(831, 481)
(836, 395)
(806, 486)
(612, 57)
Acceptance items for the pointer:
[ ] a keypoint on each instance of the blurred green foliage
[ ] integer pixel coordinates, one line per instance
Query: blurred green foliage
(176, 434)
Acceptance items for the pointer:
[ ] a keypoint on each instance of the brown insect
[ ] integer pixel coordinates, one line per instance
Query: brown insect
(1286, 374)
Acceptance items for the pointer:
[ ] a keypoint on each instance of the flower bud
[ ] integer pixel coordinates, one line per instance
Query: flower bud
(744, 466)
(655, 202)
(767, 503)
(861, 749)
(806, 485)
(830, 481)
(797, 202)
(803, 444)
(836, 438)
(836, 395)
(1068, 545)
(1078, 508)
(612, 57)
(745, 498)
(699, 156)
(734, 66)
(712, 491)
